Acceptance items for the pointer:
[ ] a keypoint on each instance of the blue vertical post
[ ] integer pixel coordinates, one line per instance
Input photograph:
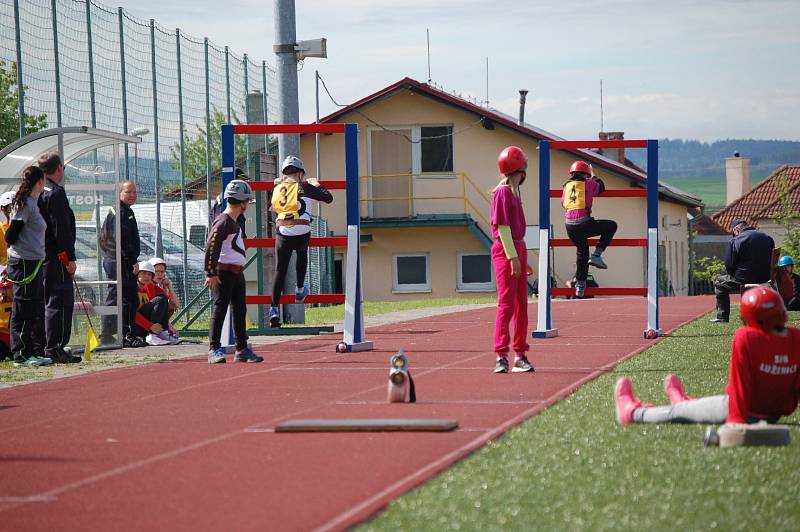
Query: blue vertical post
(228, 159)
(353, 218)
(652, 239)
(544, 326)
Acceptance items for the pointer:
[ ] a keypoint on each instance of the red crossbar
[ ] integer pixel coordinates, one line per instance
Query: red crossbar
(288, 299)
(614, 193)
(601, 291)
(319, 242)
(619, 242)
(269, 185)
(576, 144)
(266, 129)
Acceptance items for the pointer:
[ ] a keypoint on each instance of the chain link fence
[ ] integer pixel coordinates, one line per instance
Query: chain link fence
(84, 64)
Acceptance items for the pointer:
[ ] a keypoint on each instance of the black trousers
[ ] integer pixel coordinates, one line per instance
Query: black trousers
(130, 297)
(724, 285)
(284, 245)
(27, 310)
(230, 292)
(59, 302)
(155, 310)
(580, 234)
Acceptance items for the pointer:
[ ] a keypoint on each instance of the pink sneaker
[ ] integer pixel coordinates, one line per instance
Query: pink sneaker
(673, 387)
(625, 401)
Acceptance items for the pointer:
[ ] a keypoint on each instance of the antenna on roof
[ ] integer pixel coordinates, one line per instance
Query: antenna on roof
(487, 81)
(601, 105)
(428, 31)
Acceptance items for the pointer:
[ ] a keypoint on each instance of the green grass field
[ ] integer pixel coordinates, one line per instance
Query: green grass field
(712, 190)
(574, 468)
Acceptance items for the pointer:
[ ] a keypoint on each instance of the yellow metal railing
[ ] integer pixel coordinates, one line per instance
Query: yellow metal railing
(467, 186)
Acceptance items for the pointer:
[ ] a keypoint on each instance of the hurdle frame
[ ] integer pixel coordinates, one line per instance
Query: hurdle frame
(544, 326)
(353, 336)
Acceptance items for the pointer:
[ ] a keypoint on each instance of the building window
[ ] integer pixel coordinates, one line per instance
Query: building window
(437, 149)
(475, 272)
(411, 273)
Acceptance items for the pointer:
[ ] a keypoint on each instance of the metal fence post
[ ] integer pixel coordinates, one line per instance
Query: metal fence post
(264, 96)
(182, 168)
(56, 64)
(124, 89)
(208, 136)
(250, 168)
(90, 49)
(20, 86)
(159, 243)
(228, 90)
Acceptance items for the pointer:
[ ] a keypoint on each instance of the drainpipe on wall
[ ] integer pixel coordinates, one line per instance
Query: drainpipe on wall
(523, 94)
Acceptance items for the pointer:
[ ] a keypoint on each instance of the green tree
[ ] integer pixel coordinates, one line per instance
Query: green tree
(9, 107)
(194, 150)
(788, 217)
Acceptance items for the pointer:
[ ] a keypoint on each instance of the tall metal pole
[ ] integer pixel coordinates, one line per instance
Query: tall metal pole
(228, 87)
(124, 89)
(288, 111)
(20, 86)
(208, 136)
(53, 9)
(182, 168)
(264, 96)
(159, 243)
(90, 49)
(318, 251)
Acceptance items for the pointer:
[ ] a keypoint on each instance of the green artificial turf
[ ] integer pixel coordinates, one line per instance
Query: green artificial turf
(574, 468)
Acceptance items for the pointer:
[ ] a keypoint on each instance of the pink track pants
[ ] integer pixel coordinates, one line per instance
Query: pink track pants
(512, 299)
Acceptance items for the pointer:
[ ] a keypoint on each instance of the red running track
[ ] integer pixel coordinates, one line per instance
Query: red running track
(184, 446)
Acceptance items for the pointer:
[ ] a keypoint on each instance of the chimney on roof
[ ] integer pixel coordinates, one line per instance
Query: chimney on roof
(737, 177)
(617, 154)
(523, 95)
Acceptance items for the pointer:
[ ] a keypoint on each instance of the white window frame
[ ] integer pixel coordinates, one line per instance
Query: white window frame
(461, 286)
(411, 288)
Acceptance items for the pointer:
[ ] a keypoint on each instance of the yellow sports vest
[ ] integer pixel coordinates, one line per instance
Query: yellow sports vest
(284, 201)
(574, 195)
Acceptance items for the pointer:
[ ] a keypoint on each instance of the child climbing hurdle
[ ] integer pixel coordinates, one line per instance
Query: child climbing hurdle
(577, 198)
(762, 381)
(293, 200)
(510, 259)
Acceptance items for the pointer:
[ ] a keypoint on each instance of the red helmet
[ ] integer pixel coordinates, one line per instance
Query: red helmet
(512, 159)
(580, 166)
(763, 307)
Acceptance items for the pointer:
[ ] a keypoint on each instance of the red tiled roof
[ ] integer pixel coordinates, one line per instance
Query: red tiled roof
(634, 173)
(704, 225)
(764, 201)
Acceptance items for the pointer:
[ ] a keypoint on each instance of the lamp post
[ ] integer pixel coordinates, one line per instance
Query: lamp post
(139, 132)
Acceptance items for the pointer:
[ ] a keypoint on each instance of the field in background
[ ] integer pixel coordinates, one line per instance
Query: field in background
(711, 189)
(574, 468)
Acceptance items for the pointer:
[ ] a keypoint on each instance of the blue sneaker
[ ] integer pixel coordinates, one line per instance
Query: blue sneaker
(216, 356)
(300, 294)
(274, 318)
(247, 355)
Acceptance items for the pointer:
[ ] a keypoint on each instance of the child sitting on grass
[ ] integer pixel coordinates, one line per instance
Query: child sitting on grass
(762, 382)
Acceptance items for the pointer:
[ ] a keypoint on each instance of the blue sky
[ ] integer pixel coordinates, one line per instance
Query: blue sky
(704, 70)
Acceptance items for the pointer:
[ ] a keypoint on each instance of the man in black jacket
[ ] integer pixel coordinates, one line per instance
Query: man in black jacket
(59, 263)
(747, 261)
(130, 247)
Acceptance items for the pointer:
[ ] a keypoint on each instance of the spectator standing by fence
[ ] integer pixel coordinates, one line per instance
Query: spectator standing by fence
(25, 239)
(59, 263)
(130, 247)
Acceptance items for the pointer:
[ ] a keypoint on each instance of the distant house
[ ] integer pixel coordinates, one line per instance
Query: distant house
(428, 160)
(767, 200)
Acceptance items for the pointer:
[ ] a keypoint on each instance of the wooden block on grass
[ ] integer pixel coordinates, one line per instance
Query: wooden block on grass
(757, 434)
(367, 425)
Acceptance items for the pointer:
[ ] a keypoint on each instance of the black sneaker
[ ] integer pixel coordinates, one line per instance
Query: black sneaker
(274, 318)
(133, 341)
(247, 355)
(522, 365)
(501, 366)
(64, 356)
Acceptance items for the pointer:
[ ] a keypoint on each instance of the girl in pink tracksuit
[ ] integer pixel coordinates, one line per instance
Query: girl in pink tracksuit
(510, 259)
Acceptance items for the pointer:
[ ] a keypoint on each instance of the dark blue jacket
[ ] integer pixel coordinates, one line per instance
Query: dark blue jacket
(60, 234)
(749, 255)
(129, 243)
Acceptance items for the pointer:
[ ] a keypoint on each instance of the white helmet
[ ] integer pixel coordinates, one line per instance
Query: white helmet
(291, 160)
(146, 266)
(155, 261)
(238, 190)
(7, 198)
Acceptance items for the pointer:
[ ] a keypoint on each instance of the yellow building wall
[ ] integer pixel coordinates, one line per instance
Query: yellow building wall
(475, 151)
